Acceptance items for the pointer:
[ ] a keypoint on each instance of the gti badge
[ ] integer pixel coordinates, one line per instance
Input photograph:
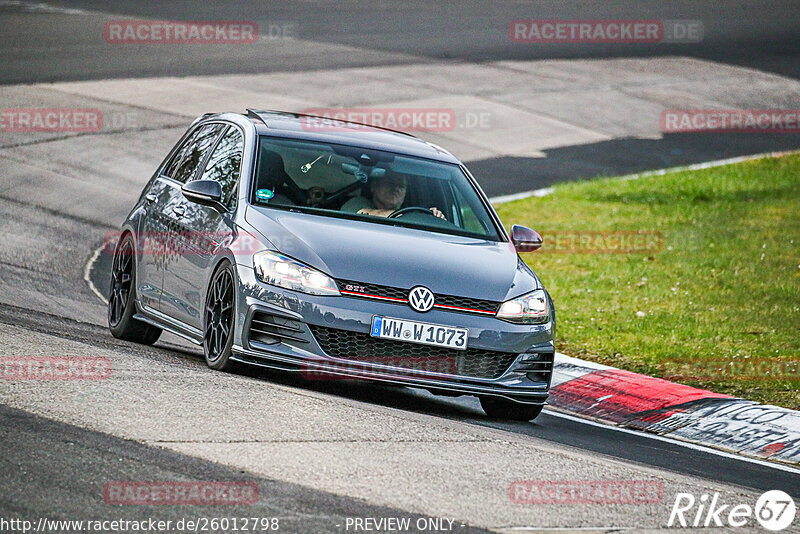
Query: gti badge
(420, 298)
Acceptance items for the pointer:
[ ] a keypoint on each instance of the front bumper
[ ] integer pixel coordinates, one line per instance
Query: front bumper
(295, 348)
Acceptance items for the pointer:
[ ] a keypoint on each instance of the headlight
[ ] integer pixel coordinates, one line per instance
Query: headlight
(278, 270)
(531, 308)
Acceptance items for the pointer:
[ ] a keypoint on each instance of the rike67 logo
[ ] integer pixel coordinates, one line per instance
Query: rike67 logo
(774, 510)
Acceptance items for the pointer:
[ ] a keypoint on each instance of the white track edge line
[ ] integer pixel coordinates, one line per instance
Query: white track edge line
(682, 443)
(87, 269)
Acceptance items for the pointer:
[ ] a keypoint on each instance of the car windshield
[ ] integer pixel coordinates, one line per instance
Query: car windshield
(370, 185)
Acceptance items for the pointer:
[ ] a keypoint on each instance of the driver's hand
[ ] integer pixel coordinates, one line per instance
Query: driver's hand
(438, 213)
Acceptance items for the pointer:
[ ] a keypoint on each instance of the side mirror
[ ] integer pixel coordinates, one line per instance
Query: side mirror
(205, 193)
(525, 239)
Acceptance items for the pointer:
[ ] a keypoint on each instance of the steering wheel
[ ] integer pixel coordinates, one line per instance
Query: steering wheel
(410, 209)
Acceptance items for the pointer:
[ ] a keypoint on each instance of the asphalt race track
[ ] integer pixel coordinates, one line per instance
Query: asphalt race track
(326, 34)
(319, 452)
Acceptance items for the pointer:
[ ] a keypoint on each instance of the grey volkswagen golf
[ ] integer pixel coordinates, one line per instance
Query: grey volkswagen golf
(336, 250)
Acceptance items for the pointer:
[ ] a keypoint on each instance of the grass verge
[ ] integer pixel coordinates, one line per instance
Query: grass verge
(712, 301)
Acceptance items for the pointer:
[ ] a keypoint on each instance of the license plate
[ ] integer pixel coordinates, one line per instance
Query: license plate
(423, 333)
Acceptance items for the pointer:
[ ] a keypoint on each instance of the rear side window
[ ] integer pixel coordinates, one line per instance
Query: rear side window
(224, 163)
(192, 153)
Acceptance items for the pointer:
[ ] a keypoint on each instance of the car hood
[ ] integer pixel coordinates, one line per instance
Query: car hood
(396, 256)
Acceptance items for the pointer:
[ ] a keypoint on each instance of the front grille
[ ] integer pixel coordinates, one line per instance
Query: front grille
(372, 289)
(400, 295)
(355, 346)
(464, 302)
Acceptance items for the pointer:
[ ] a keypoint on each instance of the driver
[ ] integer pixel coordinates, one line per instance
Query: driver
(387, 194)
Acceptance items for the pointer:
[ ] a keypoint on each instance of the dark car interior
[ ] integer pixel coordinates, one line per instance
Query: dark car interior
(326, 177)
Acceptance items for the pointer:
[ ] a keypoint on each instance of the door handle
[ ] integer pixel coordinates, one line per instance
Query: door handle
(179, 211)
(150, 197)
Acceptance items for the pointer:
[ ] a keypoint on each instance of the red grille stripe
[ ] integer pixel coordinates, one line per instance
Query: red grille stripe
(405, 301)
(356, 293)
(462, 309)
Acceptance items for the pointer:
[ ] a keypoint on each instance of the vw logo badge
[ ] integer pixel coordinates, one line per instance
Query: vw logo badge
(420, 299)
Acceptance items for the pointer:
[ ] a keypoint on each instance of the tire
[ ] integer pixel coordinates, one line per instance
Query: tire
(514, 411)
(219, 317)
(122, 298)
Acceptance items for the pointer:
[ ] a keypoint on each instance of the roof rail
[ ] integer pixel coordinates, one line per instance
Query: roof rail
(256, 114)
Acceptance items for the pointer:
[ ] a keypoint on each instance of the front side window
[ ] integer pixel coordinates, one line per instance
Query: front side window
(174, 163)
(224, 164)
(192, 152)
(373, 186)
